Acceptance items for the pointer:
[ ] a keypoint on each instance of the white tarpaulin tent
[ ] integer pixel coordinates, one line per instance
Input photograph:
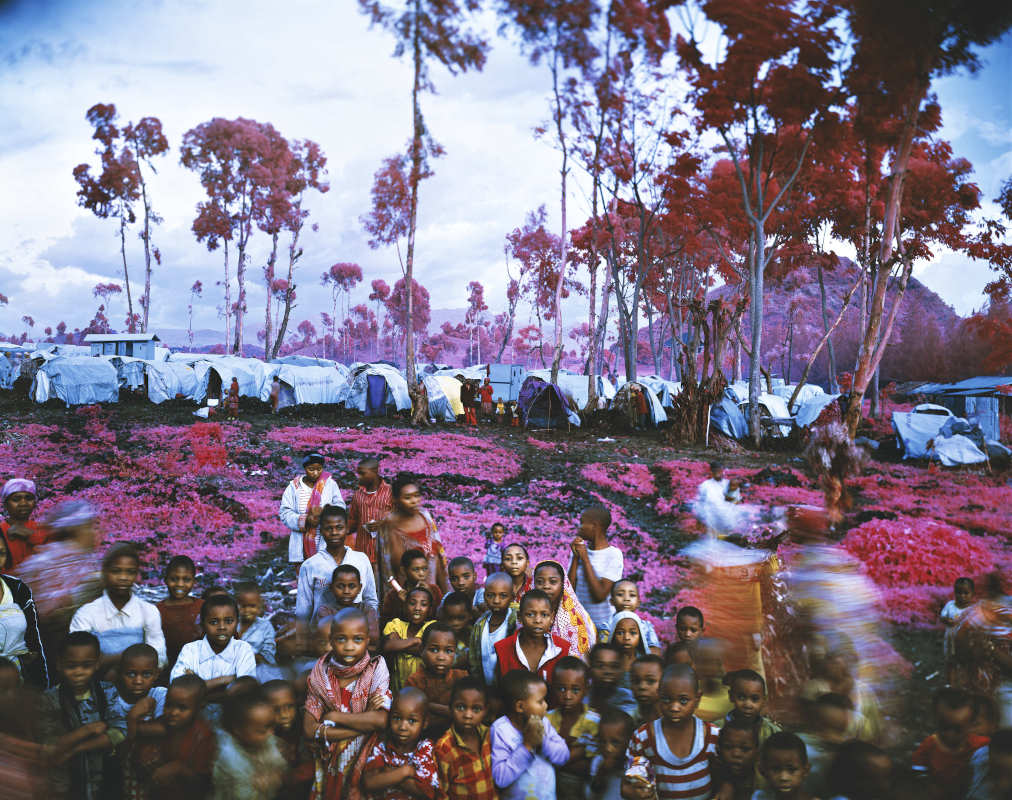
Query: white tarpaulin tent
(396, 394)
(917, 428)
(305, 385)
(129, 370)
(450, 387)
(811, 408)
(665, 390)
(809, 391)
(76, 381)
(575, 385)
(10, 368)
(215, 377)
(440, 407)
(169, 379)
(297, 360)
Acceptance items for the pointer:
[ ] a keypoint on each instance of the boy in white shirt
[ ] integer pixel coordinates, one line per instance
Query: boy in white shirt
(596, 565)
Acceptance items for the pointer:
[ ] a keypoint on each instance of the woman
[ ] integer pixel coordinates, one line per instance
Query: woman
(19, 533)
(409, 526)
(572, 622)
(419, 405)
(232, 401)
(19, 627)
(301, 504)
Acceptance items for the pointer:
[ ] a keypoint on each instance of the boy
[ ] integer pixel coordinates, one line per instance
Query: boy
(746, 689)
(645, 679)
(345, 588)
(829, 719)
(945, 755)
(605, 674)
(783, 762)
(493, 549)
(533, 647)
(575, 723)
(180, 610)
(595, 565)
(713, 505)
(625, 596)
(137, 673)
(708, 662)
(81, 719)
(118, 618)
(689, 624)
(369, 506)
(613, 734)
(525, 746)
(415, 564)
(253, 629)
(437, 676)
(464, 753)
(317, 571)
(462, 577)
(455, 612)
(493, 626)
(294, 747)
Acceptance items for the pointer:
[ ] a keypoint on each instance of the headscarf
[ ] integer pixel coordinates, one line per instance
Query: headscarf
(15, 485)
(572, 622)
(621, 615)
(70, 514)
(312, 458)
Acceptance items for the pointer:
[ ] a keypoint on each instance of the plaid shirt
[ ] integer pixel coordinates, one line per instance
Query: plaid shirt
(464, 774)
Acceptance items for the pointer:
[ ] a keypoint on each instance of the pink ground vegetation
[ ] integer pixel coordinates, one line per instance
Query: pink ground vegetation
(629, 479)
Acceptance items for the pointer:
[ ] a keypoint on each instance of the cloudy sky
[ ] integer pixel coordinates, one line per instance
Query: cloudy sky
(314, 70)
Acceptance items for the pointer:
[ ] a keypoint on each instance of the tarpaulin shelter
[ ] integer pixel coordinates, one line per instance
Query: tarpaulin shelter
(809, 391)
(727, 418)
(375, 387)
(76, 381)
(298, 360)
(655, 411)
(544, 405)
(774, 407)
(129, 370)
(444, 397)
(665, 390)
(576, 385)
(169, 379)
(215, 377)
(932, 431)
(305, 385)
(811, 409)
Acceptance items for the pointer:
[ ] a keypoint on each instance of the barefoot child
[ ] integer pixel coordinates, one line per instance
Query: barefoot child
(498, 622)
(248, 765)
(532, 647)
(180, 611)
(437, 676)
(253, 629)
(670, 756)
(645, 680)
(402, 637)
(464, 753)
(576, 724)
(348, 694)
(402, 766)
(525, 746)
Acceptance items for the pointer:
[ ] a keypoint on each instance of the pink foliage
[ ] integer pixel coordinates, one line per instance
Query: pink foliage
(550, 447)
(207, 443)
(630, 479)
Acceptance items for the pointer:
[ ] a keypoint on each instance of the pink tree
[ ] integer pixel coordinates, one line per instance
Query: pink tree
(106, 291)
(341, 278)
(476, 307)
(397, 310)
(380, 293)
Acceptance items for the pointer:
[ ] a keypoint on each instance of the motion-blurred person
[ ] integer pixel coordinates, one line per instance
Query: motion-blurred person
(19, 627)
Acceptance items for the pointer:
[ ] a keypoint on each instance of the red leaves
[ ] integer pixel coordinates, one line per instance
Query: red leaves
(208, 444)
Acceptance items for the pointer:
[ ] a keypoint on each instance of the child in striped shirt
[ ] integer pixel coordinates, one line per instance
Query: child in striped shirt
(670, 756)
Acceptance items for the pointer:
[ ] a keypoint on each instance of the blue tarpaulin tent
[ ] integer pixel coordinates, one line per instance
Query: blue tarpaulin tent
(544, 405)
(375, 399)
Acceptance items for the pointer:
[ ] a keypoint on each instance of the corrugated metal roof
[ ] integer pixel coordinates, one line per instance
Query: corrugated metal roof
(982, 385)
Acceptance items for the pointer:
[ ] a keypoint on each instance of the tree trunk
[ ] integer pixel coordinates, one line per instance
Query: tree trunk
(834, 386)
(873, 409)
(869, 354)
(147, 251)
(126, 274)
(240, 272)
(228, 299)
(592, 314)
(294, 253)
(756, 280)
(416, 171)
(564, 238)
(269, 275)
(602, 321)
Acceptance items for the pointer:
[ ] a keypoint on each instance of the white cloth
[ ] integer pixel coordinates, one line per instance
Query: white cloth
(608, 564)
(138, 620)
(198, 657)
(489, 659)
(13, 625)
(552, 650)
(713, 509)
(315, 577)
(294, 504)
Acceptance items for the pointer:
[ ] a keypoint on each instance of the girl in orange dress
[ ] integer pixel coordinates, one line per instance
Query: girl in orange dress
(409, 526)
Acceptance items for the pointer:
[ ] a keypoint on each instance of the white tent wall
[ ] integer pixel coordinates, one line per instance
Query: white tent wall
(10, 368)
(243, 369)
(917, 428)
(397, 387)
(808, 392)
(129, 370)
(167, 379)
(451, 388)
(439, 404)
(308, 385)
(665, 390)
(76, 381)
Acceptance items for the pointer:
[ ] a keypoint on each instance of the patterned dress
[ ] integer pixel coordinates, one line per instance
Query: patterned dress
(422, 758)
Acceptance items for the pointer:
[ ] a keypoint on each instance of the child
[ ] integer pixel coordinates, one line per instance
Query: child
(596, 565)
(708, 662)
(455, 612)
(606, 768)
(629, 635)
(402, 766)
(494, 625)
(670, 756)
(783, 762)
(678, 653)
(576, 724)
(464, 753)
(733, 771)
(532, 647)
(348, 694)
(139, 700)
(962, 591)
(317, 572)
(179, 611)
(118, 618)
(689, 624)
(645, 681)
(625, 596)
(746, 689)
(219, 658)
(605, 675)
(253, 629)
(401, 637)
(828, 721)
(462, 577)
(500, 410)
(514, 414)
(275, 394)
(945, 755)
(369, 506)
(833, 674)
(232, 401)
(516, 563)
(176, 762)
(248, 764)
(293, 746)
(436, 677)
(81, 719)
(861, 771)
(493, 548)
(416, 570)
(525, 746)
(302, 505)
(345, 588)
(992, 768)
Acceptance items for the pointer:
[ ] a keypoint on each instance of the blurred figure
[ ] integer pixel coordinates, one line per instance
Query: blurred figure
(982, 648)
(861, 771)
(991, 769)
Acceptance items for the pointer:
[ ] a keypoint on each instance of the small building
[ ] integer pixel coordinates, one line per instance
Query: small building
(983, 400)
(135, 345)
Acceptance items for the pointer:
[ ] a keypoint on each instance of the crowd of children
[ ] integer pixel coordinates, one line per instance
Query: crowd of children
(543, 682)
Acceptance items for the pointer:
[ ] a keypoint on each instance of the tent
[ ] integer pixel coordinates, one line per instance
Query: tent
(575, 385)
(727, 418)
(655, 410)
(10, 368)
(810, 410)
(215, 377)
(80, 380)
(917, 429)
(665, 390)
(305, 385)
(375, 387)
(544, 405)
(297, 360)
(444, 397)
(129, 370)
(809, 391)
(170, 379)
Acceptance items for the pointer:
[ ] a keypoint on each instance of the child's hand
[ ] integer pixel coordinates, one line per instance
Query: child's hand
(376, 702)
(143, 707)
(403, 594)
(639, 788)
(534, 733)
(165, 773)
(578, 546)
(95, 728)
(415, 646)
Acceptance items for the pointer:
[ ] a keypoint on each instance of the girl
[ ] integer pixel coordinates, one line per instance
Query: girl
(180, 611)
(293, 746)
(629, 633)
(348, 694)
(402, 637)
(232, 401)
(493, 551)
(671, 755)
(248, 765)
(570, 619)
(304, 498)
(403, 765)
(517, 564)
(407, 527)
(19, 627)
(625, 596)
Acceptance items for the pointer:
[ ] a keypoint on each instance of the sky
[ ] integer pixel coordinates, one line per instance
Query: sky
(314, 70)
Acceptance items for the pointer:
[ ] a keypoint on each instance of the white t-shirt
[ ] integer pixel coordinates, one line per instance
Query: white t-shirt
(608, 564)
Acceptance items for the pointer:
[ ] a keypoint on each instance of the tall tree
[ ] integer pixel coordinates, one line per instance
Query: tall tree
(341, 278)
(379, 294)
(195, 291)
(476, 308)
(426, 31)
(106, 291)
(407, 325)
